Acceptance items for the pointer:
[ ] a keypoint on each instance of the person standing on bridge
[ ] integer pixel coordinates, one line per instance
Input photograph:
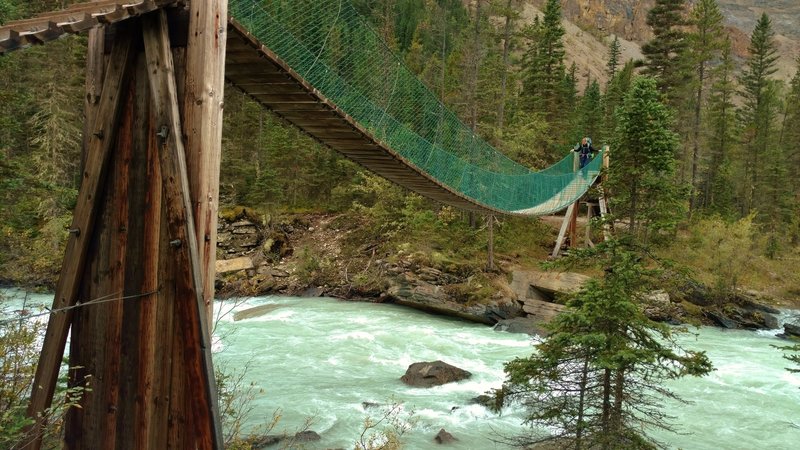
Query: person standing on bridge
(585, 151)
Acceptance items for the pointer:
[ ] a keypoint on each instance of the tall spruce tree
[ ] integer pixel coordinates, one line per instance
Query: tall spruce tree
(666, 56)
(510, 15)
(616, 89)
(545, 70)
(590, 114)
(597, 380)
(706, 42)
(614, 53)
(757, 113)
(717, 191)
(643, 163)
(791, 135)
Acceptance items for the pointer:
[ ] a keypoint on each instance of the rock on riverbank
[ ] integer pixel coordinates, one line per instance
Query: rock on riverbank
(311, 256)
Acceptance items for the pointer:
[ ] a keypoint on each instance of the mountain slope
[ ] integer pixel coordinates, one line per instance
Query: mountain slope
(627, 19)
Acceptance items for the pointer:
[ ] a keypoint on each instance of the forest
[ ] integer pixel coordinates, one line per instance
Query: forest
(700, 180)
(722, 155)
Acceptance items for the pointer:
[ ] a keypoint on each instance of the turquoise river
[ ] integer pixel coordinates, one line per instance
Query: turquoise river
(322, 360)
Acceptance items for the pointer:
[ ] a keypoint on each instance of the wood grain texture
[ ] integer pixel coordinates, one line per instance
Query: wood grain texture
(202, 111)
(84, 216)
(189, 301)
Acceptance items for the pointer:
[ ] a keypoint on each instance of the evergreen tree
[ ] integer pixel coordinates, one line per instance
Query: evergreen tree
(407, 16)
(717, 180)
(475, 60)
(590, 114)
(597, 380)
(793, 355)
(616, 89)
(666, 54)
(545, 70)
(706, 41)
(532, 34)
(791, 136)
(511, 15)
(643, 162)
(614, 53)
(758, 112)
(569, 89)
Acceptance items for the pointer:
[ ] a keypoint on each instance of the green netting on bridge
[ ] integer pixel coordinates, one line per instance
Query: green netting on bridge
(334, 49)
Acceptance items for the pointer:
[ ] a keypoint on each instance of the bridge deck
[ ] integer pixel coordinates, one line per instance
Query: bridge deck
(257, 71)
(76, 18)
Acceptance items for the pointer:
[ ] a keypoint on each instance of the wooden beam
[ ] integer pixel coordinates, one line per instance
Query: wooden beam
(83, 221)
(180, 223)
(603, 204)
(589, 207)
(203, 107)
(573, 226)
(562, 233)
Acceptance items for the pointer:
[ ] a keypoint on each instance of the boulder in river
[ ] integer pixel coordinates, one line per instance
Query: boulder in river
(525, 325)
(698, 294)
(265, 441)
(307, 436)
(443, 437)
(791, 330)
(254, 312)
(433, 373)
(720, 319)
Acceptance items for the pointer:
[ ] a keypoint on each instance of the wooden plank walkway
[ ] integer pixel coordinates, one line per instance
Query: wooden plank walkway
(76, 18)
(258, 72)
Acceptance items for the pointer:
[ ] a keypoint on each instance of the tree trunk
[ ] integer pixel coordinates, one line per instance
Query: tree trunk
(581, 405)
(619, 394)
(634, 200)
(476, 63)
(606, 414)
(696, 137)
(504, 80)
(490, 252)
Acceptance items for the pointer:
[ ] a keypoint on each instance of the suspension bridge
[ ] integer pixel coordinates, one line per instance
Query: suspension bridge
(145, 220)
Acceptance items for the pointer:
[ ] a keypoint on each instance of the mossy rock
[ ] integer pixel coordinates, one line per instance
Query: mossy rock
(235, 213)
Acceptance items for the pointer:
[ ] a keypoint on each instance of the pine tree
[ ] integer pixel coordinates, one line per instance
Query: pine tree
(616, 89)
(643, 163)
(666, 54)
(597, 380)
(511, 15)
(590, 114)
(757, 114)
(721, 142)
(545, 70)
(614, 53)
(530, 72)
(791, 135)
(706, 41)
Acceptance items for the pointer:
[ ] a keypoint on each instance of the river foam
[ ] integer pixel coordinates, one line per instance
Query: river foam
(342, 354)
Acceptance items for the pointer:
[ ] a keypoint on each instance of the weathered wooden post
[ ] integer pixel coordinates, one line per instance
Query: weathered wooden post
(602, 201)
(144, 233)
(573, 218)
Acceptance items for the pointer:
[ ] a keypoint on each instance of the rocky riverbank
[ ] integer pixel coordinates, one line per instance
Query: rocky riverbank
(311, 255)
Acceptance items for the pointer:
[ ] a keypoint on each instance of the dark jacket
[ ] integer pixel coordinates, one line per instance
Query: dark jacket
(585, 150)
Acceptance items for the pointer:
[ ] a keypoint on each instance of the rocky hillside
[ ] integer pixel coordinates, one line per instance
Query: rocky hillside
(589, 22)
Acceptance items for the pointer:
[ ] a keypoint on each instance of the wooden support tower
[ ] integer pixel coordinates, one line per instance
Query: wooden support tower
(144, 233)
(569, 226)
